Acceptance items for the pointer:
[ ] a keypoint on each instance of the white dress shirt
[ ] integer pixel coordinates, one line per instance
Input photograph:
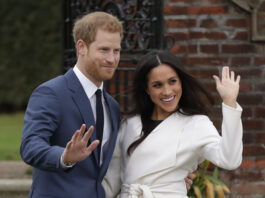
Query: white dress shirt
(90, 90)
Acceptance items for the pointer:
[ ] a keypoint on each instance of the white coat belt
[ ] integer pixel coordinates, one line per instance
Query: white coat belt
(145, 191)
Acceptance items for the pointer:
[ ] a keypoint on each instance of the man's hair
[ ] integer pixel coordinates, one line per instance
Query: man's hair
(86, 27)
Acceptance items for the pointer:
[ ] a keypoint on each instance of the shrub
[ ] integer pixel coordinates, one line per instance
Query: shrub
(207, 186)
(30, 50)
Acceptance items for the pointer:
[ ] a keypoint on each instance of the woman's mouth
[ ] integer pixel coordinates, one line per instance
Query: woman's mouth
(168, 99)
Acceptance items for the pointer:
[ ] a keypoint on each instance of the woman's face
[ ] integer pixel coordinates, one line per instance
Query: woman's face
(164, 88)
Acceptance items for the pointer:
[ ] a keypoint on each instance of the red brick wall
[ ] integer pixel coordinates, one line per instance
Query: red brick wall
(213, 33)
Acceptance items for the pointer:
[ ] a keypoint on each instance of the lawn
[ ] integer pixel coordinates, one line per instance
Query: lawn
(10, 135)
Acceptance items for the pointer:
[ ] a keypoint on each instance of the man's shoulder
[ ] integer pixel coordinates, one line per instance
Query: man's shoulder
(54, 85)
(54, 80)
(58, 80)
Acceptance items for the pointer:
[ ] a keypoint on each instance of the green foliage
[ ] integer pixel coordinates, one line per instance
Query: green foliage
(10, 135)
(207, 186)
(30, 48)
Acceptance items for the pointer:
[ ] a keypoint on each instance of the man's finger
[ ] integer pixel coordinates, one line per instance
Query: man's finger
(75, 136)
(92, 146)
(188, 180)
(201, 165)
(82, 130)
(88, 134)
(188, 183)
(69, 144)
(191, 176)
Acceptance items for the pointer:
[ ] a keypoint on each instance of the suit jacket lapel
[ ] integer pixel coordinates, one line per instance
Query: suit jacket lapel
(114, 132)
(83, 104)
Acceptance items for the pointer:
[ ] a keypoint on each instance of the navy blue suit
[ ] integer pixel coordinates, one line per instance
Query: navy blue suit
(56, 109)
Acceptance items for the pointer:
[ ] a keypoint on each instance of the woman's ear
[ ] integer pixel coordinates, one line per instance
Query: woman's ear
(147, 91)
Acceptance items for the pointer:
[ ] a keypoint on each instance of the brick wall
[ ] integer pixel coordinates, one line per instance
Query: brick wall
(212, 33)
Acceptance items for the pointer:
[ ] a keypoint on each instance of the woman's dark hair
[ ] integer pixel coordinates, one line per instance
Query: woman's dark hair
(192, 102)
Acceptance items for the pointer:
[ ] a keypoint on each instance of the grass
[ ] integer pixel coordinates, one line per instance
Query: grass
(10, 135)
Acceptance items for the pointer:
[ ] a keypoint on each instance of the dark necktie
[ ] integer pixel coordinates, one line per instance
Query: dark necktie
(100, 118)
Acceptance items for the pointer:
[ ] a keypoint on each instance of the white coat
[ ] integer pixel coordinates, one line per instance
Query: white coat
(158, 166)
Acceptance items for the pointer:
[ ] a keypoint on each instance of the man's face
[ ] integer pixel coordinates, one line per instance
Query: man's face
(101, 57)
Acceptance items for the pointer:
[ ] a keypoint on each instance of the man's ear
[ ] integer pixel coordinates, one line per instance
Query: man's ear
(81, 47)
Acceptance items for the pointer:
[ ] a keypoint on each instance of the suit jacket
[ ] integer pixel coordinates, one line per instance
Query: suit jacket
(158, 166)
(56, 109)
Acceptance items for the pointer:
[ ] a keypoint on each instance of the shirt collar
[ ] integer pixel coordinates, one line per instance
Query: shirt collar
(89, 87)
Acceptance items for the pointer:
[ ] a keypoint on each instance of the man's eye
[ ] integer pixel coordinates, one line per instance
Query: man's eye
(104, 49)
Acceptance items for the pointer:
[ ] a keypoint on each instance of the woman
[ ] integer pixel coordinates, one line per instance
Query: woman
(168, 132)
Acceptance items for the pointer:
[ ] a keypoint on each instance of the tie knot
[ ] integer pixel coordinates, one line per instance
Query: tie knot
(98, 93)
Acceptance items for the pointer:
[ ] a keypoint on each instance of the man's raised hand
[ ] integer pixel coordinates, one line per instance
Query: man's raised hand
(76, 149)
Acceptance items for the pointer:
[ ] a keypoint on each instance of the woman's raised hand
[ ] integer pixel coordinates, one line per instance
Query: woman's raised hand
(228, 86)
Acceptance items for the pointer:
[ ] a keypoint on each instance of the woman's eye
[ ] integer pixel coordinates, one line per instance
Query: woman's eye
(172, 81)
(157, 85)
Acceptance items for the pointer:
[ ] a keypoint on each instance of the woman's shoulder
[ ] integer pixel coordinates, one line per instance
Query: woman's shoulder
(130, 126)
(130, 119)
(130, 122)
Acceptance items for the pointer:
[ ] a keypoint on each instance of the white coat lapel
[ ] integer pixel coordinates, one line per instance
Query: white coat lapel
(157, 148)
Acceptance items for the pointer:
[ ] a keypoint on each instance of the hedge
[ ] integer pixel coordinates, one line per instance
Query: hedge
(30, 48)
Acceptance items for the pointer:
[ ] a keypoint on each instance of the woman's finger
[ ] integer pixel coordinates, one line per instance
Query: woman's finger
(227, 72)
(217, 80)
(238, 79)
(232, 76)
(224, 73)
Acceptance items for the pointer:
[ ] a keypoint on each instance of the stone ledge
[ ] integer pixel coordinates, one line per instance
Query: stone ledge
(15, 179)
(18, 185)
(15, 170)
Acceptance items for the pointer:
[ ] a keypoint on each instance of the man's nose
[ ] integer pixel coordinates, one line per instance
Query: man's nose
(111, 57)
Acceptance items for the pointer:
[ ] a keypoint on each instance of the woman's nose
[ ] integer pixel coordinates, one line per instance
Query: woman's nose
(166, 90)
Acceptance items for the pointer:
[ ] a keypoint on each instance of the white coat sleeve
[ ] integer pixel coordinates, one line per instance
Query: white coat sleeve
(112, 180)
(224, 151)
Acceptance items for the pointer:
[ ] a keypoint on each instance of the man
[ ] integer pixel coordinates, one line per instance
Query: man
(59, 107)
